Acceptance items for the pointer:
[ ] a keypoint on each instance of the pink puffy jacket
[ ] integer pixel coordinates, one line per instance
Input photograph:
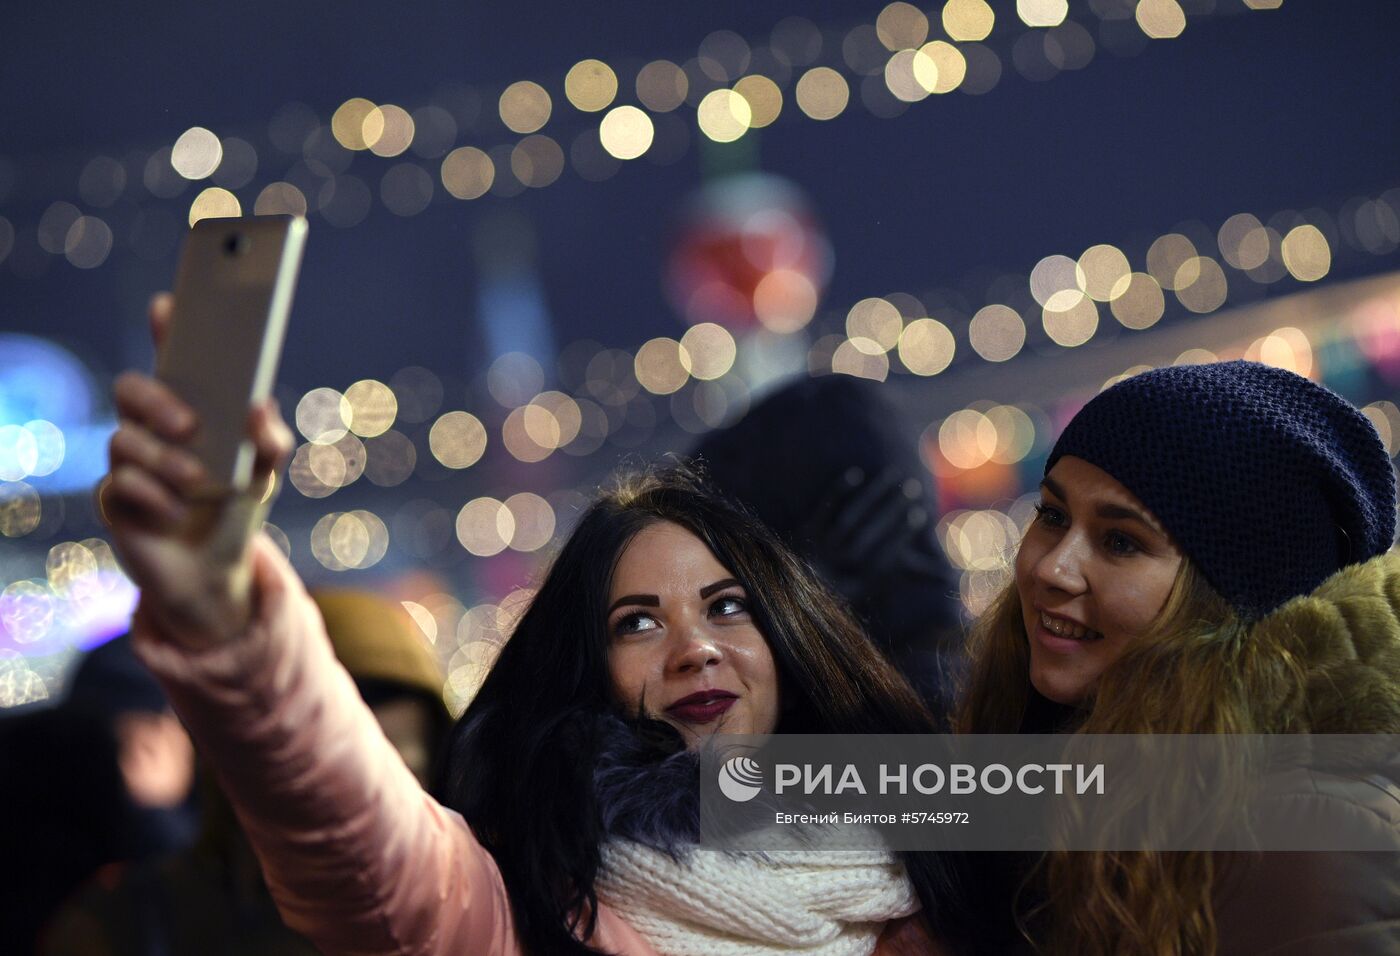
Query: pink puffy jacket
(358, 857)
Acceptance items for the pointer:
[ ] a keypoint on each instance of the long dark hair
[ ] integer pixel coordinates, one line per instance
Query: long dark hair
(522, 758)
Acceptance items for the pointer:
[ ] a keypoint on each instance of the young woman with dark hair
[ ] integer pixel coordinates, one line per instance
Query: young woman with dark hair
(1211, 555)
(668, 616)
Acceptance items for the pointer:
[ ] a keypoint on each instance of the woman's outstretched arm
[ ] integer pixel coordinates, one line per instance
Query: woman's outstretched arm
(358, 857)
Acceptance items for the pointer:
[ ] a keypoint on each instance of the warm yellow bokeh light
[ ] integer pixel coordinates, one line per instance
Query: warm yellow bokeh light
(1306, 253)
(901, 26)
(1102, 272)
(485, 526)
(388, 130)
(785, 300)
(968, 20)
(926, 346)
(1138, 303)
(662, 366)
(197, 153)
(214, 203)
(1167, 255)
(591, 85)
(967, 439)
(348, 123)
(525, 106)
(467, 172)
(822, 93)
(1042, 13)
(280, 199)
(1243, 241)
(710, 349)
(457, 439)
(940, 67)
(537, 161)
(996, 333)
(626, 132)
(1160, 19)
(724, 115)
(875, 319)
(1208, 287)
(373, 407)
(764, 98)
(850, 359)
(534, 521)
(1073, 326)
(662, 86)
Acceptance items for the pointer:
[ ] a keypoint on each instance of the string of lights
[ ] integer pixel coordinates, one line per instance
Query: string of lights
(732, 85)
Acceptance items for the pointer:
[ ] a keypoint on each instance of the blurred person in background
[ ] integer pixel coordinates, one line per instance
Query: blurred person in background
(669, 614)
(211, 898)
(105, 778)
(830, 465)
(1211, 555)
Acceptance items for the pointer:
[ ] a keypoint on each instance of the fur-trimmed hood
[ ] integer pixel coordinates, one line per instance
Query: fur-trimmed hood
(1345, 639)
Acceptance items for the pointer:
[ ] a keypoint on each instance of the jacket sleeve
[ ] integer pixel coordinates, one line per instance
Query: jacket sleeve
(358, 857)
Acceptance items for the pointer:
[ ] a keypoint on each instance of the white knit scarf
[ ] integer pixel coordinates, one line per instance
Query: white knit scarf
(824, 903)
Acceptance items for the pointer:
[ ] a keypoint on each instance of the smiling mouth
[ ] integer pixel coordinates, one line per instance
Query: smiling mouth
(1069, 630)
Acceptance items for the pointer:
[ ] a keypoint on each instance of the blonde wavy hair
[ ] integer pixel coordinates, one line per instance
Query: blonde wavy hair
(1194, 672)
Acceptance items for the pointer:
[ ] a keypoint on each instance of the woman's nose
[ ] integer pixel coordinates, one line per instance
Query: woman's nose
(1062, 567)
(694, 648)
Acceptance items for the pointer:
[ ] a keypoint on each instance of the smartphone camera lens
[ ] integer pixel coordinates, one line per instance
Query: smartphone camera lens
(236, 244)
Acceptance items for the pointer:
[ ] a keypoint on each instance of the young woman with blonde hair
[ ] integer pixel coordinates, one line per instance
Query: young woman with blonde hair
(1210, 555)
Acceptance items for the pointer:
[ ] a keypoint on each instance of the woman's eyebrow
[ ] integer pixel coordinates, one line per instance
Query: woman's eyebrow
(1110, 511)
(709, 589)
(646, 600)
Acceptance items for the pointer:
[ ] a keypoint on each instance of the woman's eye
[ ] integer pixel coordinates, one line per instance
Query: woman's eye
(1120, 544)
(1050, 515)
(635, 623)
(728, 606)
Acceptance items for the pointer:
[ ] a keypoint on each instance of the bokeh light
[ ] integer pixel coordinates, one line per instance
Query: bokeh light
(1285, 348)
(537, 161)
(869, 361)
(997, 333)
(591, 85)
(348, 122)
(214, 203)
(940, 67)
(724, 115)
(1167, 255)
(485, 526)
(514, 378)
(1160, 19)
(1306, 253)
(1103, 272)
(525, 106)
(323, 416)
(1209, 288)
(662, 86)
(626, 132)
(710, 349)
(662, 366)
(467, 173)
(388, 130)
(280, 199)
(822, 93)
(764, 98)
(20, 509)
(926, 346)
(196, 154)
(901, 26)
(1042, 13)
(373, 407)
(457, 439)
(533, 518)
(968, 20)
(1139, 303)
(1073, 326)
(876, 320)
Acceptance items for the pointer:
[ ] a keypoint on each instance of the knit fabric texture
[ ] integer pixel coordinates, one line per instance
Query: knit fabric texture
(1267, 481)
(726, 904)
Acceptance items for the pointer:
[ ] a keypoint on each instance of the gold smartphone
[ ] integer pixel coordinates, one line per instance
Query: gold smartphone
(233, 292)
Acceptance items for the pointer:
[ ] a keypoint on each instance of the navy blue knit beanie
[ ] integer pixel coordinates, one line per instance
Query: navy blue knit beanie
(1268, 482)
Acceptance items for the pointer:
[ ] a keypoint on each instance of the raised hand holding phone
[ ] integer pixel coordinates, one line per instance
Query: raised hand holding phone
(193, 459)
